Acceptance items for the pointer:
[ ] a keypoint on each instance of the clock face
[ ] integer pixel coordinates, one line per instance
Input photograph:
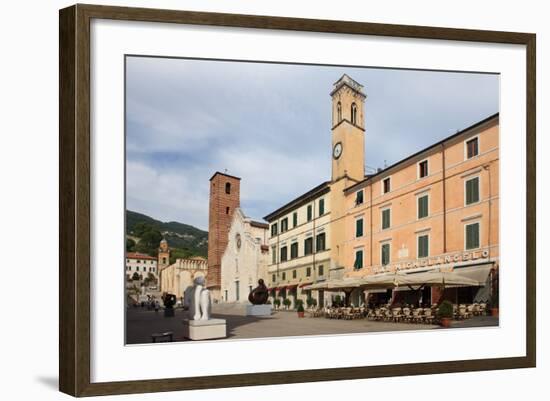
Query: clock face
(337, 151)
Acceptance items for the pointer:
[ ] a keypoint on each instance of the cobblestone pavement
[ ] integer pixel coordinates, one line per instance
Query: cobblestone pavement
(141, 323)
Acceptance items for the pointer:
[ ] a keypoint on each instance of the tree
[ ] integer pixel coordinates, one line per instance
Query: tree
(130, 245)
(149, 242)
(135, 276)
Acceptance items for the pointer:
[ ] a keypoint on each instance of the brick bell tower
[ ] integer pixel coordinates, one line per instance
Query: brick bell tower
(224, 199)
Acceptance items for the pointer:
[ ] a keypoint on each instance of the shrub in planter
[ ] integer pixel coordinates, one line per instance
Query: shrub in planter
(300, 309)
(445, 313)
(277, 302)
(286, 302)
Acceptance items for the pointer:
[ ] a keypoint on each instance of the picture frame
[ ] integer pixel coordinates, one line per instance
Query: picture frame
(76, 203)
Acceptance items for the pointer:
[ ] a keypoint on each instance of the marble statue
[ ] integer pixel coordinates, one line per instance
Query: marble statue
(201, 300)
(259, 295)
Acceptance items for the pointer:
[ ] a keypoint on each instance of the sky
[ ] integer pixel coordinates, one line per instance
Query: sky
(270, 125)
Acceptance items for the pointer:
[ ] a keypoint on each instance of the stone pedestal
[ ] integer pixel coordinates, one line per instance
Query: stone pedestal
(204, 329)
(258, 310)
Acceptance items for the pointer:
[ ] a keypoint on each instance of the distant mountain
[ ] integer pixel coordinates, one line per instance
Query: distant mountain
(184, 239)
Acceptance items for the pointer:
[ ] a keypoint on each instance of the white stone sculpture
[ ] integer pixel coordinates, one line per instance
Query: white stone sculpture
(201, 300)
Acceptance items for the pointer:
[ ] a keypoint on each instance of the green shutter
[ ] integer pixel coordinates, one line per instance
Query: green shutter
(359, 227)
(386, 218)
(385, 254)
(321, 207)
(472, 190)
(423, 245)
(472, 236)
(358, 260)
(423, 206)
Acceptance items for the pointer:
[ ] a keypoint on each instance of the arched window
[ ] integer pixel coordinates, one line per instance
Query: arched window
(339, 111)
(227, 188)
(353, 113)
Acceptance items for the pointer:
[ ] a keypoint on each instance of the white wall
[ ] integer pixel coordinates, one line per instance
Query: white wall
(28, 162)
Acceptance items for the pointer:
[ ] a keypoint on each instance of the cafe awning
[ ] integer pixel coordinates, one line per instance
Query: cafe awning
(335, 285)
(479, 273)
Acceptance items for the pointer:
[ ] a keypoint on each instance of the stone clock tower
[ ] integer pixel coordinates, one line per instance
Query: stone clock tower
(348, 159)
(348, 129)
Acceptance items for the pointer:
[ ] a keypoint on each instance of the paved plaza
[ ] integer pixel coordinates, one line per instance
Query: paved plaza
(141, 323)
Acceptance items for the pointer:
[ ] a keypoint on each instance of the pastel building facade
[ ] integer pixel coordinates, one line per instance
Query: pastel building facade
(141, 264)
(299, 245)
(245, 259)
(437, 209)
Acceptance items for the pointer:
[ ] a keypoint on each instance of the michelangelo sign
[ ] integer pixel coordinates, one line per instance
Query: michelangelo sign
(435, 261)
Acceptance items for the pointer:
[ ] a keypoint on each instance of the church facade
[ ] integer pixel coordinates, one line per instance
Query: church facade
(245, 259)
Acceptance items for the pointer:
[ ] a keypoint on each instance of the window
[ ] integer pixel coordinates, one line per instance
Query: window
(309, 212)
(308, 271)
(273, 278)
(359, 198)
(163, 261)
(320, 242)
(294, 250)
(273, 254)
(422, 206)
(472, 148)
(284, 225)
(294, 219)
(423, 250)
(227, 210)
(284, 255)
(139, 261)
(358, 264)
(226, 295)
(237, 290)
(321, 207)
(294, 273)
(308, 246)
(385, 254)
(472, 236)
(353, 113)
(284, 275)
(386, 218)
(274, 229)
(472, 190)
(128, 268)
(321, 270)
(358, 228)
(227, 188)
(339, 112)
(386, 185)
(423, 169)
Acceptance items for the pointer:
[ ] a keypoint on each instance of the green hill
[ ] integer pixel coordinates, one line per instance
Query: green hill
(185, 240)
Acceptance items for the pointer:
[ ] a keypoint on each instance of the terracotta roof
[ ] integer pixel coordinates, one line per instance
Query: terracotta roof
(137, 255)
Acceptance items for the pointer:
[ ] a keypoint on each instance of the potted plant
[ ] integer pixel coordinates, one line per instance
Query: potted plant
(300, 309)
(309, 302)
(445, 313)
(286, 303)
(277, 303)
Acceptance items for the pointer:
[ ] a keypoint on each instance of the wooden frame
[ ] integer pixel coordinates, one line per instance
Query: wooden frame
(74, 203)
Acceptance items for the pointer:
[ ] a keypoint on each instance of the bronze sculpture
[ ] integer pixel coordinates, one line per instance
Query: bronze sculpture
(259, 295)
